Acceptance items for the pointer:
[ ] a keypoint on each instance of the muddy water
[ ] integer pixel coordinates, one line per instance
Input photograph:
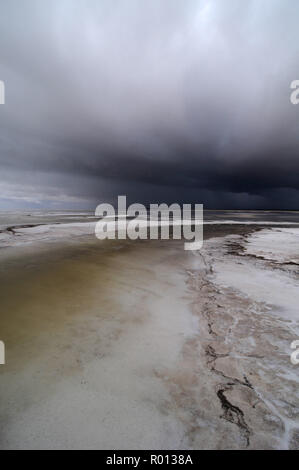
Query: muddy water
(143, 345)
(87, 329)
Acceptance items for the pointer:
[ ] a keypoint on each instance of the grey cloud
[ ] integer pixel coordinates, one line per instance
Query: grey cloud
(158, 100)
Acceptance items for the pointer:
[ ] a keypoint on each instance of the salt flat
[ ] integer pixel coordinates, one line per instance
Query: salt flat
(143, 345)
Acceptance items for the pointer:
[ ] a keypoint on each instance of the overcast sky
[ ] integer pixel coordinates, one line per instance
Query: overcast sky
(161, 100)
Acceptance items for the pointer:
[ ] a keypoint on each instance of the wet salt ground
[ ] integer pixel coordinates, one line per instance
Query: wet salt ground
(277, 287)
(121, 358)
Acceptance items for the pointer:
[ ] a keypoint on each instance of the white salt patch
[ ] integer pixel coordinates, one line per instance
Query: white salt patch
(244, 222)
(260, 285)
(263, 284)
(51, 232)
(281, 245)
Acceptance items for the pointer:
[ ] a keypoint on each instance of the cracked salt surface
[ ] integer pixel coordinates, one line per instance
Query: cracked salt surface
(251, 337)
(281, 245)
(274, 287)
(174, 350)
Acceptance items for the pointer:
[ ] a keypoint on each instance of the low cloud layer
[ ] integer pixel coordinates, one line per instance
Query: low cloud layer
(163, 101)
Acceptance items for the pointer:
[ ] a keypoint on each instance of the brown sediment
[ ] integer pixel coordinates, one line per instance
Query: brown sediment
(74, 320)
(88, 326)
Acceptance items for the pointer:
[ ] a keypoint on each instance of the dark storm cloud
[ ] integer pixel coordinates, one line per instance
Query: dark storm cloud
(161, 100)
